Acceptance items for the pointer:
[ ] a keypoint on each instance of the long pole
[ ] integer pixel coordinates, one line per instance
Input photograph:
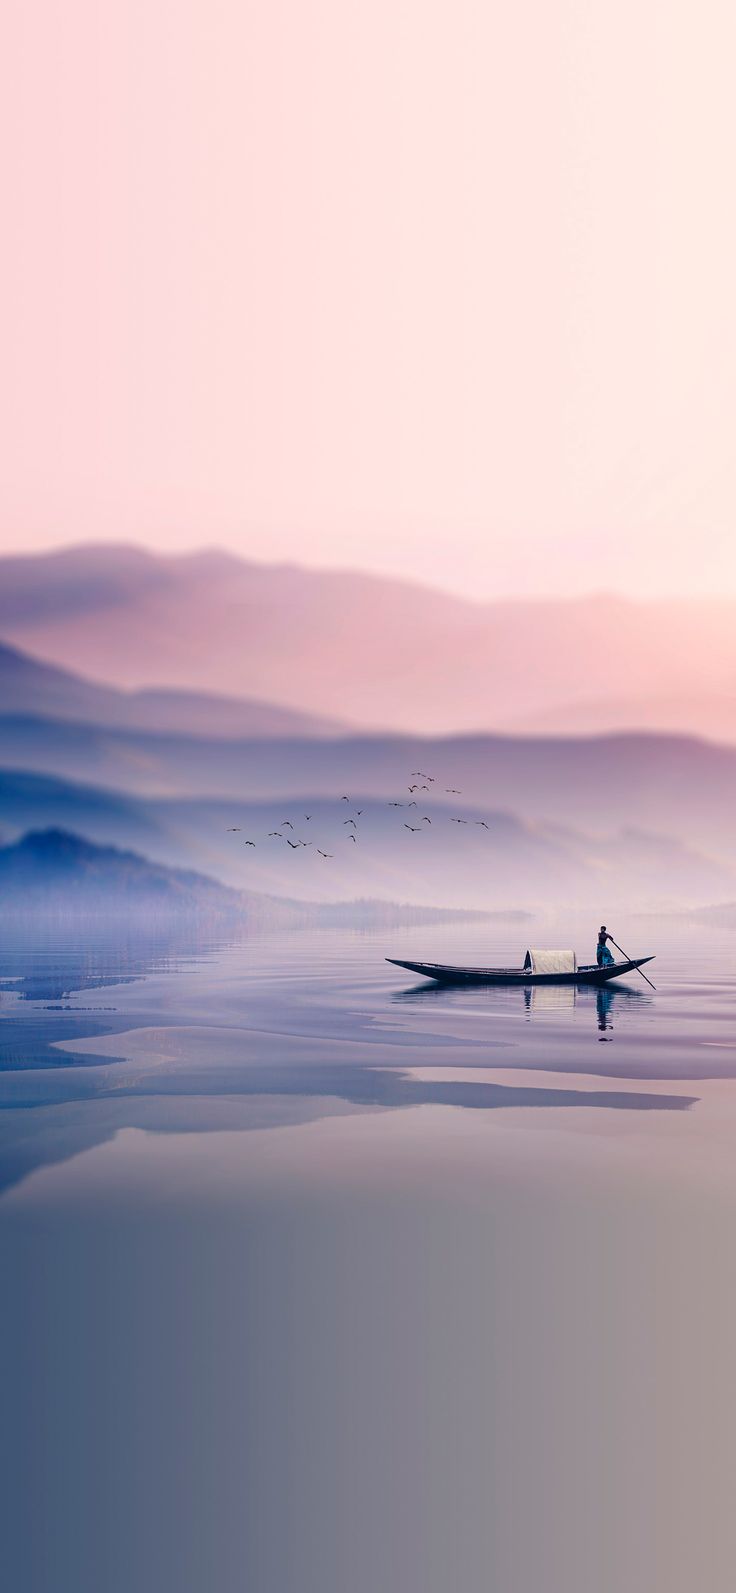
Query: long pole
(630, 959)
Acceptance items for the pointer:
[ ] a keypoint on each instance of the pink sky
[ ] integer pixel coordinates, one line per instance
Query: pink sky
(438, 288)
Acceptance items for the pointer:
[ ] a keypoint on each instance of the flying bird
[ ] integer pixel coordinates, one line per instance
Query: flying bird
(324, 854)
(307, 816)
(344, 799)
(425, 819)
(250, 843)
(412, 788)
(483, 822)
(286, 824)
(413, 827)
(293, 844)
(350, 821)
(450, 790)
(396, 804)
(234, 829)
(352, 838)
(412, 804)
(278, 835)
(458, 821)
(359, 811)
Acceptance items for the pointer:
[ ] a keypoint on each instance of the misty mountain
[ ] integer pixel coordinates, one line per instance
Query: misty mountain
(504, 862)
(377, 652)
(721, 915)
(30, 687)
(712, 716)
(673, 785)
(57, 871)
(495, 860)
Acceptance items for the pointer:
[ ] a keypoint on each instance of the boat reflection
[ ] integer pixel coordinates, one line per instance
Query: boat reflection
(549, 998)
(539, 1001)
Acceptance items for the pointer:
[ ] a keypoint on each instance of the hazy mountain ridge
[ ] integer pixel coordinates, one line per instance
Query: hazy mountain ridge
(58, 871)
(377, 652)
(721, 915)
(674, 785)
(641, 816)
(507, 862)
(29, 687)
(713, 717)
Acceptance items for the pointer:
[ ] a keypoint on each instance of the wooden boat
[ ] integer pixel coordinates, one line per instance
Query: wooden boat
(583, 974)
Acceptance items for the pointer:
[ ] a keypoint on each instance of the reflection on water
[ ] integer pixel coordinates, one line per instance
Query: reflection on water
(166, 1033)
(560, 998)
(536, 1000)
(316, 1283)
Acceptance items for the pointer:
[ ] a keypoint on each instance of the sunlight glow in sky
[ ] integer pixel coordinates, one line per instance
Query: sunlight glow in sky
(438, 288)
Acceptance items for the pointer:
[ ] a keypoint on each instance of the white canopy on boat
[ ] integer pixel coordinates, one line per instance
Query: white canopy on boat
(551, 962)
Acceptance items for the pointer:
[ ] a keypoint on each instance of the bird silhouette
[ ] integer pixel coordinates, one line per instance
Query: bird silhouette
(450, 790)
(413, 827)
(324, 854)
(396, 804)
(344, 799)
(412, 804)
(250, 843)
(482, 822)
(459, 821)
(277, 834)
(412, 788)
(425, 819)
(359, 811)
(234, 829)
(352, 838)
(293, 844)
(350, 821)
(286, 824)
(307, 816)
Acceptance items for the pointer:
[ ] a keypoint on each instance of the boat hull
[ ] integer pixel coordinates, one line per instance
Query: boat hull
(443, 973)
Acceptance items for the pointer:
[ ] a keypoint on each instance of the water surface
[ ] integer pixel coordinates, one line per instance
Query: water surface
(318, 1278)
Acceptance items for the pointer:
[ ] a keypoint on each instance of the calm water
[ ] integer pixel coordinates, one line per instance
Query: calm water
(316, 1280)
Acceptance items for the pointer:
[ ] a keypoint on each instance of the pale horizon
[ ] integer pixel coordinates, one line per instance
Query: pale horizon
(439, 291)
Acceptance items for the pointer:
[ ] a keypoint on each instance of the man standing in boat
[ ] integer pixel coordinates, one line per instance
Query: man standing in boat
(603, 954)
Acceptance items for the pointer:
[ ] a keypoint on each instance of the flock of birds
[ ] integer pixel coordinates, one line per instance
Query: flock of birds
(351, 824)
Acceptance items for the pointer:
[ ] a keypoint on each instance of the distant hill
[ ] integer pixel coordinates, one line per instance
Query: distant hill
(56, 871)
(29, 687)
(379, 653)
(675, 786)
(712, 715)
(507, 862)
(722, 915)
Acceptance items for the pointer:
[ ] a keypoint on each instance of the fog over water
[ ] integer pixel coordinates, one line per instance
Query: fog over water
(320, 1279)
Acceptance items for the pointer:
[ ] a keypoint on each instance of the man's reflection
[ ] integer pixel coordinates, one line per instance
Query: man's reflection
(604, 999)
